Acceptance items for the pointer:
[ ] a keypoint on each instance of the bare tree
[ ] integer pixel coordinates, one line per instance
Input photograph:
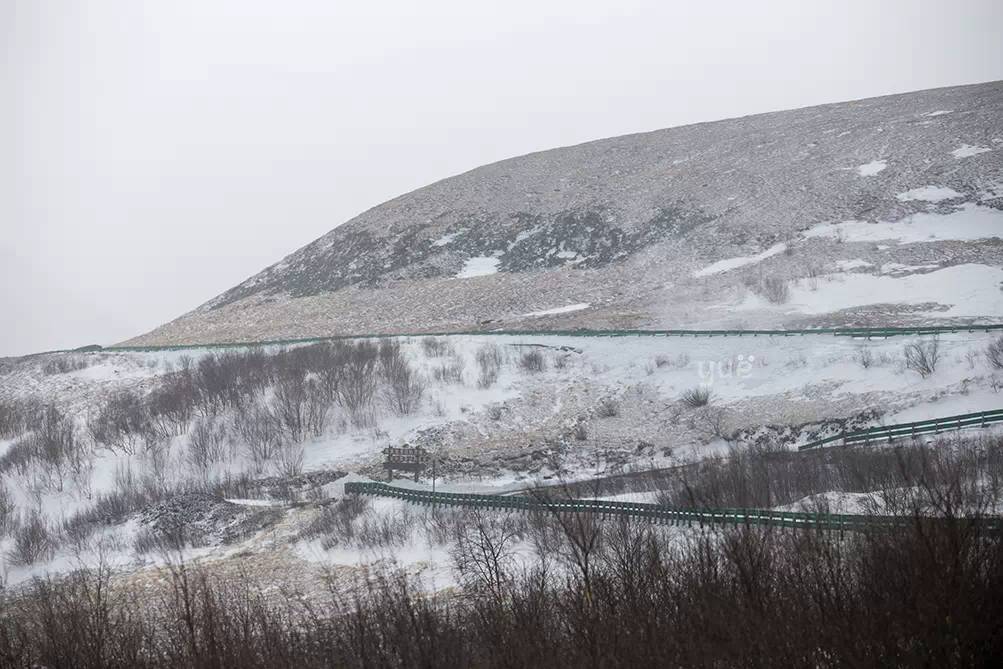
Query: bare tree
(404, 386)
(359, 379)
(483, 552)
(994, 353)
(489, 361)
(533, 361)
(922, 356)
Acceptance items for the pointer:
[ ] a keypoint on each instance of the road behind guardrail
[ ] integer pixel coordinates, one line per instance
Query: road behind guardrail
(649, 512)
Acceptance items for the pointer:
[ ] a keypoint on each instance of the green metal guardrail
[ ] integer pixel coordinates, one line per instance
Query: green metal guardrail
(838, 332)
(918, 428)
(649, 512)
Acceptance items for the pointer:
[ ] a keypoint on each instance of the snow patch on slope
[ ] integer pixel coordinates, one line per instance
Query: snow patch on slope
(968, 291)
(871, 168)
(479, 266)
(929, 194)
(968, 223)
(967, 151)
(447, 239)
(557, 310)
(741, 261)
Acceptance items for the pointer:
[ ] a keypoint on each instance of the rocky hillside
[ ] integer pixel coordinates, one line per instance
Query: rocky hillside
(882, 210)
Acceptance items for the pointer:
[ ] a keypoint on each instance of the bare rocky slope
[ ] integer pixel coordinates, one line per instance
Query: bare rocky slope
(625, 232)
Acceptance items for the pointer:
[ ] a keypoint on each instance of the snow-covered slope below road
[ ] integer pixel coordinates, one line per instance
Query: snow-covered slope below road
(570, 407)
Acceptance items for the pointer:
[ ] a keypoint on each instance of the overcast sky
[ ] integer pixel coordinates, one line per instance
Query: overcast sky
(155, 153)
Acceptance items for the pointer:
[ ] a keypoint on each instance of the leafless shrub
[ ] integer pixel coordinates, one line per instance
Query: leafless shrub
(489, 361)
(483, 553)
(404, 386)
(696, 397)
(359, 378)
(19, 416)
(865, 357)
(495, 411)
(52, 446)
(33, 541)
(207, 445)
(715, 421)
(8, 511)
(774, 289)
(608, 408)
(164, 541)
(533, 361)
(300, 406)
(813, 273)
(258, 431)
(171, 404)
(130, 494)
(386, 530)
(289, 460)
(61, 363)
(120, 423)
(435, 347)
(922, 357)
(451, 372)
(994, 353)
(335, 524)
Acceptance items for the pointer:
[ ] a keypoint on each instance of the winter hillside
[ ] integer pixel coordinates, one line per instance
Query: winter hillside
(191, 506)
(880, 211)
(117, 455)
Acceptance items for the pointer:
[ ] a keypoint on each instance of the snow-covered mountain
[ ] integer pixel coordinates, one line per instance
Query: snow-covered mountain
(886, 210)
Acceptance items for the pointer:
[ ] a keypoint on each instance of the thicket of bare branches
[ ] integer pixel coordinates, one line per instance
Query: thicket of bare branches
(404, 386)
(922, 357)
(533, 361)
(489, 361)
(994, 353)
(595, 593)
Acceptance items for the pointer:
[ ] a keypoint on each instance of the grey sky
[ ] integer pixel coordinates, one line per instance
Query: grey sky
(156, 153)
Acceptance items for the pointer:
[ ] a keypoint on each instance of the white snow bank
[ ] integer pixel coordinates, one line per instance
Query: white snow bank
(741, 261)
(967, 151)
(871, 168)
(969, 291)
(929, 194)
(254, 502)
(479, 266)
(557, 310)
(940, 112)
(968, 222)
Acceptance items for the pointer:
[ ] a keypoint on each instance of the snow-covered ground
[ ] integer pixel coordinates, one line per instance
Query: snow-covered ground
(968, 222)
(958, 291)
(599, 405)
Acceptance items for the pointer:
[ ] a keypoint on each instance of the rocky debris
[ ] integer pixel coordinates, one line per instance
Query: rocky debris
(201, 519)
